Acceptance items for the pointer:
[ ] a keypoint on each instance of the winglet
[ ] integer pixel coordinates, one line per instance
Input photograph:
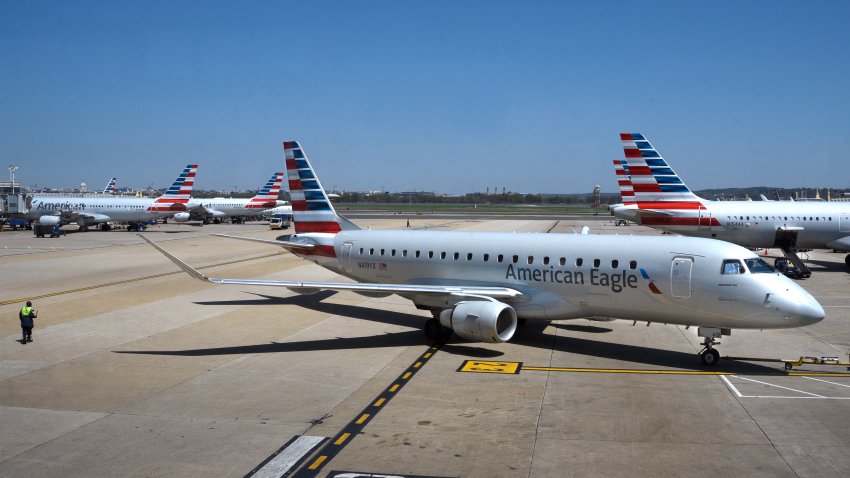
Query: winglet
(186, 267)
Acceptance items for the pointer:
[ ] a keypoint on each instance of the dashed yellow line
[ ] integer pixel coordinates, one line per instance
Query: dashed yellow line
(428, 355)
(342, 438)
(622, 370)
(417, 365)
(394, 388)
(362, 419)
(380, 402)
(318, 462)
(406, 375)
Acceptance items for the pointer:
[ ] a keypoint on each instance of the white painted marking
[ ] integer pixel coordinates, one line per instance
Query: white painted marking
(734, 389)
(827, 381)
(288, 457)
(780, 386)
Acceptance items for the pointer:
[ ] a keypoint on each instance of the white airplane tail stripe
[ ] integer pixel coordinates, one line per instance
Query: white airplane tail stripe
(110, 186)
(627, 192)
(655, 184)
(267, 197)
(176, 197)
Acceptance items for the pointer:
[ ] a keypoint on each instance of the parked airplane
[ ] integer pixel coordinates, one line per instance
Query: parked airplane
(110, 186)
(478, 284)
(662, 200)
(87, 211)
(217, 209)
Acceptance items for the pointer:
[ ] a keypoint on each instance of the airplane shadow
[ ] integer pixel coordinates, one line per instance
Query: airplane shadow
(531, 334)
(828, 266)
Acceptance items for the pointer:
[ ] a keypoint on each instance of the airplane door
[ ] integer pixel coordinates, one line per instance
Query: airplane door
(844, 222)
(345, 259)
(704, 223)
(680, 277)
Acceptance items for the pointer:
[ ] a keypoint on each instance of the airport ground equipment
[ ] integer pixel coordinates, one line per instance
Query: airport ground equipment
(51, 230)
(803, 360)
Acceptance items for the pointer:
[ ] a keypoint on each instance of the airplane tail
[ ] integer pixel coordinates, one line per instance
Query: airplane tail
(110, 186)
(177, 196)
(267, 197)
(312, 211)
(655, 184)
(627, 191)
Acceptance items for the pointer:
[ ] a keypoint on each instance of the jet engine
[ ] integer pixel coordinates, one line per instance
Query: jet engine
(48, 220)
(482, 321)
(181, 217)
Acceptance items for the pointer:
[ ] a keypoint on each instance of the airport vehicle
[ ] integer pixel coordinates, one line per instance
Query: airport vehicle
(279, 211)
(277, 223)
(41, 230)
(660, 199)
(218, 209)
(110, 186)
(478, 284)
(87, 211)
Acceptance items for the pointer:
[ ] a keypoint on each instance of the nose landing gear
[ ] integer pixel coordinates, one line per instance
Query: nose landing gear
(709, 355)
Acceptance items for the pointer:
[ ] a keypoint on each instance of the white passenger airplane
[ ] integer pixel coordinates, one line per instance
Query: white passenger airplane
(218, 209)
(478, 284)
(87, 211)
(660, 199)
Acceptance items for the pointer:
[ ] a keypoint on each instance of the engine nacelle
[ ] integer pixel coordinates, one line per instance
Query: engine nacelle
(482, 321)
(48, 220)
(181, 217)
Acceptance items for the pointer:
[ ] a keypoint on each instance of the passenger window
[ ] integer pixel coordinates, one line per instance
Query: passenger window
(614, 264)
(430, 254)
(531, 259)
(392, 252)
(486, 257)
(443, 255)
(469, 256)
(579, 262)
(371, 251)
(515, 259)
(632, 265)
(562, 262)
(404, 253)
(596, 262)
(382, 252)
(546, 260)
(417, 254)
(361, 251)
(457, 255)
(732, 266)
(500, 258)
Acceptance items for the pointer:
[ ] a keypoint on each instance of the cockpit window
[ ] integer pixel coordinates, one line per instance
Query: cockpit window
(758, 266)
(732, 266)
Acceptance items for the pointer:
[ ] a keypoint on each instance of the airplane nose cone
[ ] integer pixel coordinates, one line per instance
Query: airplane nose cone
(810, 312)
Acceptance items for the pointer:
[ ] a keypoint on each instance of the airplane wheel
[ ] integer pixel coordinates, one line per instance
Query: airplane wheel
(433, 329)
(710, 357)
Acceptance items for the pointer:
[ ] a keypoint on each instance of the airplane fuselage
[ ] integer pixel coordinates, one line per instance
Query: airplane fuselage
(564, 276)
(755, 223)
(95, 209)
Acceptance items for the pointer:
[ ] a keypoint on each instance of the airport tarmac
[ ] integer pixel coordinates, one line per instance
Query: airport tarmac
(139, 370)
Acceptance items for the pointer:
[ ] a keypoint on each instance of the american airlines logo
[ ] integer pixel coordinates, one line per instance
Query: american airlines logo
(60, 206)
(616, 281)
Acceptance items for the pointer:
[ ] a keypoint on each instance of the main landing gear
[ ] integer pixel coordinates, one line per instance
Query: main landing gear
(709, 355)
(434, 330)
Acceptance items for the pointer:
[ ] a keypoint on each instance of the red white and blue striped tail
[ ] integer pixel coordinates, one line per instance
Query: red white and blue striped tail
(176, 197)
(267, 197)
(627, 192)
(655, 184)
(110, 186)
(311, 209)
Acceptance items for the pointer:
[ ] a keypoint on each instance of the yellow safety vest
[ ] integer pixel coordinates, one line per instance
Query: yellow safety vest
(26, 311)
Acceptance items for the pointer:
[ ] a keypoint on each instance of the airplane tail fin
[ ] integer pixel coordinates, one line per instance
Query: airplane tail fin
(110, 186)
(267, 197)
(627, 192)
(655, 184)
(177, 196)
(312, 211)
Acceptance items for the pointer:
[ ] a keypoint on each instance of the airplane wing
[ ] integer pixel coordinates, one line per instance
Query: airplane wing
(505, 293)
(72, 216)
(286, 244)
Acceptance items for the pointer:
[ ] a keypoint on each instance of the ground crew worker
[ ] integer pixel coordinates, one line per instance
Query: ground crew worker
(27, 316)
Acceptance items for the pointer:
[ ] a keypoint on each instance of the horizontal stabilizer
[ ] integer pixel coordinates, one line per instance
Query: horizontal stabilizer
(286, 244)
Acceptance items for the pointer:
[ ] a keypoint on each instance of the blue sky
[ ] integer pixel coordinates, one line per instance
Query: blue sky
(446, 96)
